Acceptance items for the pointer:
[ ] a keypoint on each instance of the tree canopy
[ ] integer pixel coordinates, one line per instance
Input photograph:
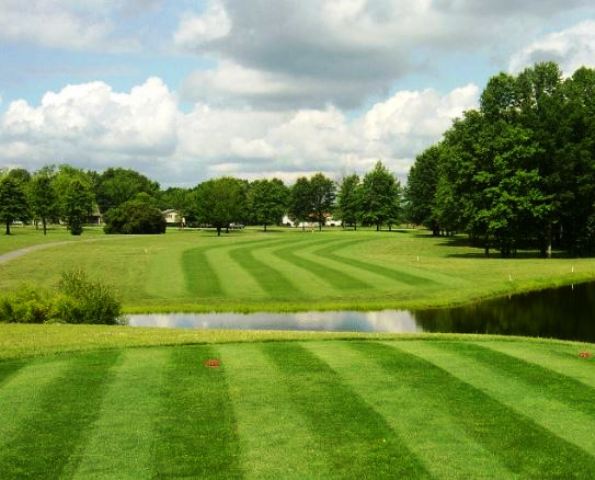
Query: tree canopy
(220, 202)
(268, 200)
(520, 171)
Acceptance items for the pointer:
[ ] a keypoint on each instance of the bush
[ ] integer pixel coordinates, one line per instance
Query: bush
(139, 215)
(76, 300)
(26, 305)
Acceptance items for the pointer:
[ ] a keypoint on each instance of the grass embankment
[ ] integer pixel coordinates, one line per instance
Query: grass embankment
(389, 407)
(289, 270)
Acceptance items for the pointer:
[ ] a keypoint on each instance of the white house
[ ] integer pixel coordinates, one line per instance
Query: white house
(329, 222)
(173, 217)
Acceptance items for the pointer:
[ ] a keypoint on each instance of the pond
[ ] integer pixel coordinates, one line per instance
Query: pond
(565, 313)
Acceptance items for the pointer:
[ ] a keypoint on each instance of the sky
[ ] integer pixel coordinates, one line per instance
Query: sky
(188, 90)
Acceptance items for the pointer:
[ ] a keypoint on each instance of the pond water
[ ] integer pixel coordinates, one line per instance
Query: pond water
(566, 313)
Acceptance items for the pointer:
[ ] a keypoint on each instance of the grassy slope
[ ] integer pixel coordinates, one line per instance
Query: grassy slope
(288, 270)
(395, 407)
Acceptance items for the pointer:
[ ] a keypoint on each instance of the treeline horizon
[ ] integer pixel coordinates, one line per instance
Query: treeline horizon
(519, 172)
(130, 202)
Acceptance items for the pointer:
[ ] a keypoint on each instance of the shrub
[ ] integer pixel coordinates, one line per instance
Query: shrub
(26, 305)
(139, 215)
(92, 302)
(76, 300)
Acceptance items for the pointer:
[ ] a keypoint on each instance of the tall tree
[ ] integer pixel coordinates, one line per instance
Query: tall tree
(268, 201)
(349, 200)
(77, 204)
(300, 202)
(322, 192)
(13, 202)
(420, 193)
(118, 185)
(220, 202)
(42, 196)
(378, 196)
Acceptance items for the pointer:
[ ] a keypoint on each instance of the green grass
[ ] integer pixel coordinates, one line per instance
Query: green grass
(367, 406)
(286, 270)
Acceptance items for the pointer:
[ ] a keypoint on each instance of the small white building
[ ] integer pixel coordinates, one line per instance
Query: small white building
(329, 222)
(173, 217)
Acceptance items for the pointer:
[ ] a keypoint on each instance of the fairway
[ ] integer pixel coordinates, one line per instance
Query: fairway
(433, 408)
(285, 269)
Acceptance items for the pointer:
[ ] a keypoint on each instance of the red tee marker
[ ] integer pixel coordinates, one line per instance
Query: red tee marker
(212, 363)
(585, 355)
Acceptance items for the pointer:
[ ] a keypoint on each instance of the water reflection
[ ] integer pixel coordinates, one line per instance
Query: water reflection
(345, 321)
(565, 313)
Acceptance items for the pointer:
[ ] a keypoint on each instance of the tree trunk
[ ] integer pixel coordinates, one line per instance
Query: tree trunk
(355, 227)
(7, 227)
(218, 231)
(265, 227)
(377, 227)
(43, 221)
(320, 226)
(390, 227)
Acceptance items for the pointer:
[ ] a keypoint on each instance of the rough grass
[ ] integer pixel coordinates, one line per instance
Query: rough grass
(289, 270)
(443, 407)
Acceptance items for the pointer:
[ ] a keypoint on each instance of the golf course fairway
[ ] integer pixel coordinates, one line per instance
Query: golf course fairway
(376, 406)
(284, 270)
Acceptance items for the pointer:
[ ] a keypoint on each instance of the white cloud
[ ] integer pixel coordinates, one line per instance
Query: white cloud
(195, 31)
(570, 48)
(90, 125)
(343, 52)
(69, 24)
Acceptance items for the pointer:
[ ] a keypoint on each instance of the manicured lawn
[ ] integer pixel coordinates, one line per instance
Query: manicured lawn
(286, 269)
(433, 406)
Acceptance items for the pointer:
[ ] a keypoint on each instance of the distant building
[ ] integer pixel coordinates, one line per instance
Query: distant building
(96, 218)
(329, 222)
(173, 217)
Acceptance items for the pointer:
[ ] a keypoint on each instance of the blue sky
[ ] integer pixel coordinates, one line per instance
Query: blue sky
(187, 90)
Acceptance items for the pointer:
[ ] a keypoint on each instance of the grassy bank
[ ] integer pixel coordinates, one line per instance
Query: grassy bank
(438, 406)
(288, 270)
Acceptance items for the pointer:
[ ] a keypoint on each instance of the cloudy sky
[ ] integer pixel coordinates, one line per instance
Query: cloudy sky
(188, 90)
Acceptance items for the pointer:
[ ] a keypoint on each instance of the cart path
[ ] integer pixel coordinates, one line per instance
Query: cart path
(7, 257)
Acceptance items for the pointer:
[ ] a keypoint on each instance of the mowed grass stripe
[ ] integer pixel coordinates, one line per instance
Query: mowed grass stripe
(49, 436)
(196, 434)
(391, 273)
(544, 381)
(21, 392)
(337, 279)
(8, 369)
(357, 440)
(201, 275)
(525, 447)
(201, 278)
(274, 441)
(121, 439)
(271, 280)
(431, 432)
(533, 400)
(562, 359)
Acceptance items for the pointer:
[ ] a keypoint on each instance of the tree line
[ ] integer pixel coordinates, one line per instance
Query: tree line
(132, 203)
(519, 172)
